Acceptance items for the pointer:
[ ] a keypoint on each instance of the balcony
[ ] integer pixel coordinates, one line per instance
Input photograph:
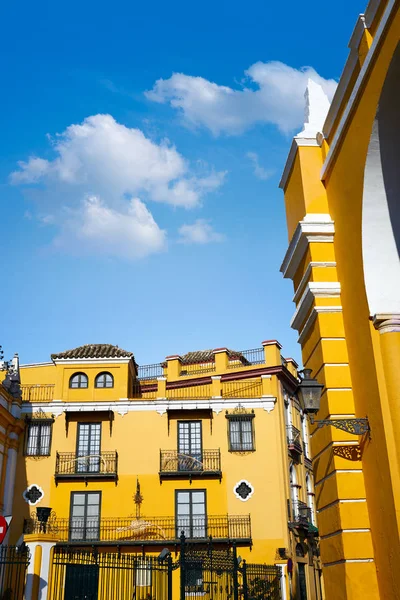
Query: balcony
(69, 466)
(301, 515)
(174, 464)
(38, 393)
(150, 530)
(294, 440)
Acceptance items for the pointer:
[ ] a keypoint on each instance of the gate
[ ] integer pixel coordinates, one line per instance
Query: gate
(14, 561)
(93, 575)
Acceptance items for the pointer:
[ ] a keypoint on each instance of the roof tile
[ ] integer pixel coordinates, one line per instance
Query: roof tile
(93, 351)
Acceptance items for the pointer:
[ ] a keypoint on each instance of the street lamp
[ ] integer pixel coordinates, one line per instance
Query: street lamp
(309, 392)
(43, 514)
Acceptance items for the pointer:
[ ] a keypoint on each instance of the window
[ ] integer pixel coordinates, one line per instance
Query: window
(189, 446)
(191, 513)
(78, 380)
(241, 433)
(104, 380)
(38, 437)
(143, 571)
(194, 583)
(88, 448)
(85, 516)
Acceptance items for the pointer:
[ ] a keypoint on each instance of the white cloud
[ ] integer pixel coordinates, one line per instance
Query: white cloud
(273, 93)
(200, 232)
(259, 171)
(131, 234)
(99, 166)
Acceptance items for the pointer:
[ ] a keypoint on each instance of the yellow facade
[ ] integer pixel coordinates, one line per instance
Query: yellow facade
(141, 466)
(341, 192)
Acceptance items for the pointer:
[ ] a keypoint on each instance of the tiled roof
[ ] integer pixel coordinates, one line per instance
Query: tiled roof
(94, 351)
(204, 356)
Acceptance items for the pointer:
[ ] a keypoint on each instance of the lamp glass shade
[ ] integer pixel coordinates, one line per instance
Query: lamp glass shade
(43, 513)
(309, 393)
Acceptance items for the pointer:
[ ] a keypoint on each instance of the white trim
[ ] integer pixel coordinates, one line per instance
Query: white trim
(160, 405)
(87, 361)
(311, 265)
(44, 570)
(341, 531)
(358, 32)
(357, 90)
(370, 12)
(313, 289)
(313, 315)
(335, 472)
(296, 143)
(336, 502)
(314, 227)
(347, 560)
(30, 571)
(38, 364)
(250, 485)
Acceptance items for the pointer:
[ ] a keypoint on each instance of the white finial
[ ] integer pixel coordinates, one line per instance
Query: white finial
(316, 109)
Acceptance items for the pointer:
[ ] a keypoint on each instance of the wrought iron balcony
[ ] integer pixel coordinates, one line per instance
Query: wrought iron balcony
(151, 530)
(38, 392)
(94, 466)
(301, 515)
(176, 464)
(294, 439)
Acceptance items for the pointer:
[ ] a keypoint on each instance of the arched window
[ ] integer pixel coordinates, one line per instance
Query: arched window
(104, 380)
(294, 490)
(310, 497)
(78, 380)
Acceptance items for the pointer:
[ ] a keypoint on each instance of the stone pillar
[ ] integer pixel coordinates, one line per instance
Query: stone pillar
(221, 359)
(272, 353)
(216, 386)
(10, 474)
(162, 387)
(174, 364)
(38, 574)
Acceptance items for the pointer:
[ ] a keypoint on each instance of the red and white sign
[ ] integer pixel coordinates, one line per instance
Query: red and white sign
(4, 523)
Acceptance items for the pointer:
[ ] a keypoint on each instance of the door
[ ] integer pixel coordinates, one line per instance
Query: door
(88, 448)
(85, 516)
(81, 582)
(189, 446)
(191, 515)
(302, 581)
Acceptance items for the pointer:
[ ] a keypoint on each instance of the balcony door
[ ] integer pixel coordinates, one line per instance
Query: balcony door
(88, 448)
(85, 516)
(189, 446)
(191, 515)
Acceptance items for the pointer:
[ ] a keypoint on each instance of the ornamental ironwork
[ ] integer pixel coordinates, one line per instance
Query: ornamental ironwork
(33, 494)
(353, 426)
(244, 490)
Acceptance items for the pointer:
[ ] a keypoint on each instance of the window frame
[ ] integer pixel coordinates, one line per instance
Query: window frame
(104, 387)
(84, 527)
(191, 526)
(79, 387)
(78, 440)
(38, 423)
(241, 418)
(197, 455)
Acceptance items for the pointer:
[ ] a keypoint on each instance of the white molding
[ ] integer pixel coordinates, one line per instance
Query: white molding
(313, 289)
(311, 265)
(88, 361)
(347, 560)
(314, 227)
(38, 364)
(296, 143)
(357, 90)
(313, 315)
(122, 407)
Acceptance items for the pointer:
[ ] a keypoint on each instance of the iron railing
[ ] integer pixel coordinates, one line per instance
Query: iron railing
(247, 358)
(294, 438)
(246, 388)
(71, 466)
(145, 529)
(150, 372)
(261, 582)
(38, 393)
(194, 391)
(146, 392)
(196, 369)
(301, 513)
(174, 463)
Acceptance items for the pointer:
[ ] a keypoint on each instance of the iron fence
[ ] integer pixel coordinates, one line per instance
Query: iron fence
(294, 438)
(104, 575)
(69, 465)
(242, 389)
(37, 393)
(194, 391)
(14, 561)
(196, 369)
(150, 372)
(246, 358)
(174, 463)
(261, 582)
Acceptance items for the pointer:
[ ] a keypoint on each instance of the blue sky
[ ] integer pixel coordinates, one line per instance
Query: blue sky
(142, 146)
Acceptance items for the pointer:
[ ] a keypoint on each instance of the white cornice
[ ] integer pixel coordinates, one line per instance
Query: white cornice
(357, 89)
(296, 143)
(313, 315)
(88, 361)
(313, 228)
(314, 289)
(40, 364)
(161, 405)
(311, 265)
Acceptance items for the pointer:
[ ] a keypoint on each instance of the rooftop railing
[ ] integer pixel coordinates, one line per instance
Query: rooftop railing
(132, 530)
(246, 358)
(150, 372)
(246, 388)
(38, 392)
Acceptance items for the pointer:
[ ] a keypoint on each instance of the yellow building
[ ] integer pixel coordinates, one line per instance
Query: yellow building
(342, 188)
(212, 443)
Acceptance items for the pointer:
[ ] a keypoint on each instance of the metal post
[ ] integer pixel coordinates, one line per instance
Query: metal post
(244, 573)
(235, 574)
(183, 565)
(169, 585)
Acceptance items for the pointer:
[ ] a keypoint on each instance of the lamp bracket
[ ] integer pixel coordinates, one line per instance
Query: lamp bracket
(353, 426)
